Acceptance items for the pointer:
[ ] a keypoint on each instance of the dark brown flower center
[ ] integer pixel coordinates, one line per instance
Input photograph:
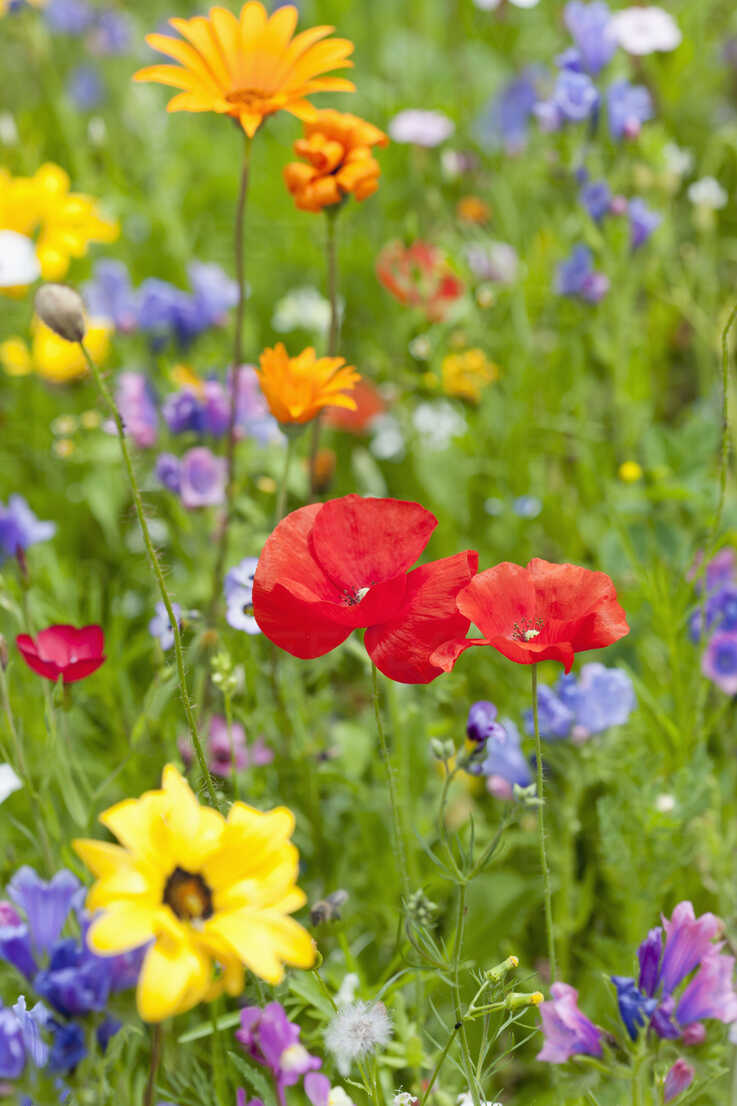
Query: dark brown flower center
(188, 895)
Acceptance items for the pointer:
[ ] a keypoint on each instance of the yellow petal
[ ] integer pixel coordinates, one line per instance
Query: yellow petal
(101, 857)
(264, 941)
(124, 925)
(175, 976)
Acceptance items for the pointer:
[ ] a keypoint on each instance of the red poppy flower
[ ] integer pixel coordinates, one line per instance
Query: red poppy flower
(369, 403)
(334, 567)
(544, 611)
(420, 276)
(63, 651)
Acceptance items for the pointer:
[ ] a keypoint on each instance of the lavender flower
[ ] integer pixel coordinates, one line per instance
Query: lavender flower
(677, 1080)
(628, 107)
(718, 612)
(272, 1040)
(69, 17)
(649, 954)
(710, 994)
(598, 699)
(20, 528)
(112, 33)
(182, 411)
(635, 1008)
(420, 127)
(721, 569)
(719, 662)
(253, 418)
(137, 405)
(20, 1038)
(576, 277)
(85, 88)
(495, 261)
(239, 596)
(589, 27)
(596, 197)
(643, 222)
(168, 471)
(215, 408)
(575, 96)
(109, 295)
(226, 751)
(482, 724)
(567, 1031)
(160, 627)
(505, 121)
(687, 941)
(214, 293)
(505, 764)
(201, 478)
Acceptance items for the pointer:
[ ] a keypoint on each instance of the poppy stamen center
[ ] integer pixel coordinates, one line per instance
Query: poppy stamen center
(354, 597)
(526, 630)
(188, 895)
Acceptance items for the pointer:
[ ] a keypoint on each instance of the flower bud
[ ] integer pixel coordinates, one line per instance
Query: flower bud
(678, 1079)
(442, 750)
(516, 1000)
(62, 310)
(497, 974)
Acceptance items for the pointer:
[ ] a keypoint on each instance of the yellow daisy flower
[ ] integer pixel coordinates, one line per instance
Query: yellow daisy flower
(467, 374)
(212, 895)
(297, 388)
(53, 357)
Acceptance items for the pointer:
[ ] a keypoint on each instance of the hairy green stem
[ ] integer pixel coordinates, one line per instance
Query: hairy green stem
(457, 952)
(157, 570)
(541, 833)
(331, 256)
(396, 821)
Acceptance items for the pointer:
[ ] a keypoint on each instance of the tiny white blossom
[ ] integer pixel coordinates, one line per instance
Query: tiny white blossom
(643, 31)
(438, 423)
(8, 130)
(707, 193)
(338, 1097)
(420, 127)
(387, 442)
(302, 309)
(677, 160)
(9, 782)
(357, 1030)
(664, 804)
(403, 1098)
(466, 1099)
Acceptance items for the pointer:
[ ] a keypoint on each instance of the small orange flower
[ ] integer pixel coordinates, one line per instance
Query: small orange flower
(297, 388)
(472, 209)
(337, 149)
(250, 67)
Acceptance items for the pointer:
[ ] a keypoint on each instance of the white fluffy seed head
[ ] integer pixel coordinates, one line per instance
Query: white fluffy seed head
(357, 1030)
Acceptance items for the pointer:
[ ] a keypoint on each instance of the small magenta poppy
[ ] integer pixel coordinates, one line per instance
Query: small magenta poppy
(63, 651)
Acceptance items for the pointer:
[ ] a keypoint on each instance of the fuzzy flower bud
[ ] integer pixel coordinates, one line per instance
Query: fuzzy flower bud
(498, 973)
(515, 1000)
(62, 310)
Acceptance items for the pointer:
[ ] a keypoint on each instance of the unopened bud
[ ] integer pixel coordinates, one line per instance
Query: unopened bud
(527, 795)
(442, 750)
(497, 974)
(516, 1000)
(62, 310)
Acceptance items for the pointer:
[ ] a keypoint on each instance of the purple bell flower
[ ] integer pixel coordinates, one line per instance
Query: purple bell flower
(505, 764)
(201, 478)
(710, 994)
(45, 904)
(635, 1008)
(677, 1080)
(596, 197)
(271, 1039)
(575, 96)
(588, 25)
(643, 222)
(719, 662)
(719, 612)
(68, 1047)
(687, 941)
(605, 698)
(570, 59)
(721, 569)
(214, 293)
(253, 418)
(482, 723)
(576, 277)
(182, 411)
(554, 718)
(76, 981)
(168, 471)
(649, 954)
(215, 409)
(505, 122)
(20, 528)
(567, 1031)
(628, 106)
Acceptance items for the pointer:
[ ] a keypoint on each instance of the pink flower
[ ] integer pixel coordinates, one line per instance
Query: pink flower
(678, 1078)
(710, 994)
(567, 1031)
(687, 940)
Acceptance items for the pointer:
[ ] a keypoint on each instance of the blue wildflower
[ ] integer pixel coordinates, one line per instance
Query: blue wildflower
(20, 528)
(505, 764)
(588, 25)
(634, 1007)
(109, 295)
(481, 723)
(649, 954)
(505, 121)
(555, 719)
(628, 107)
(69, 17)
(112, 33)
(596, 197)
(643, 222)
(214, 293)
(576, 277)
(68, 1047)
(239, 596)
(45, 904)
(183, 411)
(718, 613)
(575, 96)
(598, 699)
(160, 627)
(527, 506)
(85, 88)
(168, 471)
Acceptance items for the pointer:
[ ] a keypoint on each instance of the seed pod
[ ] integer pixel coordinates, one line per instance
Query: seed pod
(62, 310)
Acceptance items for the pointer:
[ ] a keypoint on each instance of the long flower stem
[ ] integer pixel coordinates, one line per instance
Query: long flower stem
(281, 495)
(240, 313)
(331, 255)
(148, 1098)
(157, 570)
(457, 953)
(396, 821)
(23, 771)
(541, 833)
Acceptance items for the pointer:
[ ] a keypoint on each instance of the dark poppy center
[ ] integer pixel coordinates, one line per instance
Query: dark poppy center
(188, 895)
(352, 597)
(526, 629)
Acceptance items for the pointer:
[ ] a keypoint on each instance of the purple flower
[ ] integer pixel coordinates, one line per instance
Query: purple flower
(420, 127)
(201, 478)
(160, 627)
(496, 261)
(596, 197)
(9, 916)
(219, 754)
(85, 88)
(634, 1007)
(719, 612)
(16, 949)
(649, 954)
(20, 1038)
(168, 471)
(182, 411)
(239, 596)
(505, 764)
(271, 1039)
(628, 106)
(567, 1031)
(215, 408)
(76, 981)
(643, 222)
(687, 940)
(253, 418)
(575, 96)
(317, 1088)
(20, 528)
(719, 662)
(678, 1079)
(588, 25)
(163, 311)
(710, 994)
(214, 292)
(31, 1023)
(137, 405)
(109, 295)
(482, 723)
(505, 121)
(554, 718)
(605, 698)
(68, 1048)
(112, 33)
(69, 17)
(575, 277)
(45, 904)
(721, 569)
(694, 1034)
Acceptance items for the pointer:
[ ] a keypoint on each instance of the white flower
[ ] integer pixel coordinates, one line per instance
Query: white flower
(8, 130)
(302, 309)
(466, 1099)
(403, 1098)
(664, 804)
(347, 990)
(707, 192)
(387, 442)
(421, 128)
(357, 1031)
(18, 262)
(438, 423)
(9, 782)
(492, 5)
(338, 1097)
(643, 31)
(677, 161)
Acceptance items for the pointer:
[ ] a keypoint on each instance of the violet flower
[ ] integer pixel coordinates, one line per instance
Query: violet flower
(20, 528)
(136, 402)
(109, 295)
(635, 1008)
(271, 1039)
(168, 471)
(710, 994)
(677, 1080)
(719, 662)
(238, 587)
(596, 197)
(687, 940)
(576, 277)
(567, 1031)
(201, 478)
(588, 25)
(628, 107)
(505, 764)
(161, 628)
(420, 127)
(643, 222)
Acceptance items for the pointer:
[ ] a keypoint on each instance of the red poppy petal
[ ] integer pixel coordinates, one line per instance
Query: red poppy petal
(497, 598)
(403, 648)
(57, 643)
(448, 653)
(27, 648)
(531, 652)
(298, 626)
(360, 542)
(585, 601)
(286, 558)
(90, 642)
(78, 670)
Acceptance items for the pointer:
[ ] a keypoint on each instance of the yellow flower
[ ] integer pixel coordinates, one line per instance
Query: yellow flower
(250, 67)
(52, 357)
(467, 374)
(211, 894)
(472, 209)
(59, 222)
(297, 388)
(630, 472)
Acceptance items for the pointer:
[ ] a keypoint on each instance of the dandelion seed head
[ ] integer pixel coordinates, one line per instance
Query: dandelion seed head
(357, 1030)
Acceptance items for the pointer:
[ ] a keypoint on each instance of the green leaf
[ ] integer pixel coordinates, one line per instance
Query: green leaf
(255, 1078)
(305, 986)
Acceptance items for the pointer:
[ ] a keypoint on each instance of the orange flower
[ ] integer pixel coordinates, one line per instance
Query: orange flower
(250, 67)
(297, 388)
(337, 147)
(471, 209)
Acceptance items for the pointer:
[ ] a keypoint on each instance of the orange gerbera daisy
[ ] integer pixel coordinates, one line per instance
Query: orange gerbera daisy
(250, 67)
(297, 388)
(337, 148)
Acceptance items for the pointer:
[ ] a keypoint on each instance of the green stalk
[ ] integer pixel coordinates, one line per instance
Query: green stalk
(457, 951)
(158, 573)
(331, 255)
(396, 821)
(23, 772)
(541, 833)
(153, 1069)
